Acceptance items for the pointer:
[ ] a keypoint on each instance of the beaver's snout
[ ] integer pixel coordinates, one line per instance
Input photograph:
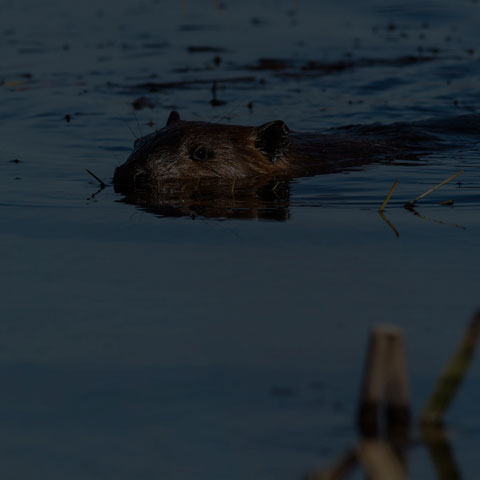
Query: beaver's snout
(118, 176)
(128, 175)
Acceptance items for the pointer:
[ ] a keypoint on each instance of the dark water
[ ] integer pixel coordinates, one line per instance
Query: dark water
(138, 346)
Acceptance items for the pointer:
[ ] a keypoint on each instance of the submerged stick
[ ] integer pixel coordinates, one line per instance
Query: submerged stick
(412, 202)
(387, 199)
(448, 383)
(96, 178)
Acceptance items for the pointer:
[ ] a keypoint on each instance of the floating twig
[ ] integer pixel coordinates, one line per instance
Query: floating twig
(410, 204)
(101, 182)
(448, 383)
(384, 204)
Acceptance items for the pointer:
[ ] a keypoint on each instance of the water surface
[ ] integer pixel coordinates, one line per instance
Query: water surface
(181, 348)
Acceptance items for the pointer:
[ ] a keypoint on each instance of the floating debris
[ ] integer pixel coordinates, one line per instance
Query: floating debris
(142, 102)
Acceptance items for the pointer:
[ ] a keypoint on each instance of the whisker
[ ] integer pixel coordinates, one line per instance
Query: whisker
(131, 131)
(138, 124)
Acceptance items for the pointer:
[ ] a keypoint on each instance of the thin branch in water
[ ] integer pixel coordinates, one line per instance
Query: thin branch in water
(453, 375)
(410, 204)
(390, 193)
(101, 182)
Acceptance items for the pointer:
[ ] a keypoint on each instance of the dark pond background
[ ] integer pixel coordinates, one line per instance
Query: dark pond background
(133, 346)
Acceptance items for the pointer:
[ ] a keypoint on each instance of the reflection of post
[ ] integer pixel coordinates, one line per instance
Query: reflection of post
(441, 453)
(380, 461)
(338, 471)
(384, 379)
(448, 383)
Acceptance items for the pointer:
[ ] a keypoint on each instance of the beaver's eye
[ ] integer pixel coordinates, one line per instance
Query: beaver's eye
(199, 154)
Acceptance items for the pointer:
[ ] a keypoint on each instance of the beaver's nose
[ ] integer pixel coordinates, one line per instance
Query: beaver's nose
(120, 176)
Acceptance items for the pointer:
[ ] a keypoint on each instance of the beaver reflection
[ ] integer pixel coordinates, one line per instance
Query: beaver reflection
(266, 199)
(216, 170)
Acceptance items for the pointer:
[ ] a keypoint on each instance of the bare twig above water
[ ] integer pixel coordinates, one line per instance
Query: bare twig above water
(411, 203)
(450, 380)
(101, 182)
(390, 193)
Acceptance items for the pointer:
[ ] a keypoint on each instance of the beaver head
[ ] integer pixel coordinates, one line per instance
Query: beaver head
(185, 150)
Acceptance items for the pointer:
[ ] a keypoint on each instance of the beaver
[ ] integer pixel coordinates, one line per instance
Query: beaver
(216, 171)
(213, 152)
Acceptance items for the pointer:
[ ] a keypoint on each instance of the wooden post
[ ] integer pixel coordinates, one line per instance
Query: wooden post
(384, 382)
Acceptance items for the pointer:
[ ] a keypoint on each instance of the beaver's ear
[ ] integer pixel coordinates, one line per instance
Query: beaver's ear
(173, 118)
(272, 139)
